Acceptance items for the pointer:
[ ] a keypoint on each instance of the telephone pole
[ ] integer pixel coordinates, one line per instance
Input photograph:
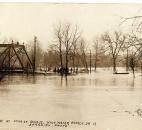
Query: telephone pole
(90, 61)
(34, 55)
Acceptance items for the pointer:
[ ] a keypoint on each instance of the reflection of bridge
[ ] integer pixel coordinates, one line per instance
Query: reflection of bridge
(14, 58)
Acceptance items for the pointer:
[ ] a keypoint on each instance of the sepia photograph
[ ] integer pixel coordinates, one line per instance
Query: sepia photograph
(70, 66)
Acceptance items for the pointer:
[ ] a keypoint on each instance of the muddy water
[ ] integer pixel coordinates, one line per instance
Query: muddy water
(113, 102)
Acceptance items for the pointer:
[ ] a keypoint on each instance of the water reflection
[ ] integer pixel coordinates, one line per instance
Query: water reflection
(132, 84)
(4, 90)
(19, 79)
(64, 81)
(113, 82)
(95, 80)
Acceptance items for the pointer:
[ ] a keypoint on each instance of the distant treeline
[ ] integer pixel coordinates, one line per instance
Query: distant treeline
(70, 49)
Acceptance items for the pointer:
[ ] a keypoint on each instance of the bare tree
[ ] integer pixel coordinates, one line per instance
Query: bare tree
(114, 43)
(59, 36)
(133, 62)
(67, 36)
(73, 55)
(74, 45)
(98, 51)
(83, 51)
(96, 46)
(135, 40)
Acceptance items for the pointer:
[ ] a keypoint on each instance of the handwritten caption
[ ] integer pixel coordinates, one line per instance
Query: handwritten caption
(48, 123)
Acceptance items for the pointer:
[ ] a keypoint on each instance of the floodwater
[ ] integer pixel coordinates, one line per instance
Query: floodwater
(113, 102)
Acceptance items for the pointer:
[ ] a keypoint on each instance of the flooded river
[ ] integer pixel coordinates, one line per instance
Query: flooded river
(113, 102)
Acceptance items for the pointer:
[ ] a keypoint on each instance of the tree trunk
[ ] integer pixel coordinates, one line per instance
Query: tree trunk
(141, 68)
(127, 67)
(34, 55)
(61, 60)
(96, 62)
(66, 69)
(66, 59)
(114, 65)
(133, 69)
(96, 57)
(95, 65)
(73, 62)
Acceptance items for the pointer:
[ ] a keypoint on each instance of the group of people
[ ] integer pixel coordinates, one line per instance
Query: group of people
(62, 70)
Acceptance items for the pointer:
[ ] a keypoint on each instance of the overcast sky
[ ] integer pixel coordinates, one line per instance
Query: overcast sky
(24, 20)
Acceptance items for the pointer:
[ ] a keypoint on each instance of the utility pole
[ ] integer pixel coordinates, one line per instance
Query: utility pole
(90, 61)
(34, 55)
